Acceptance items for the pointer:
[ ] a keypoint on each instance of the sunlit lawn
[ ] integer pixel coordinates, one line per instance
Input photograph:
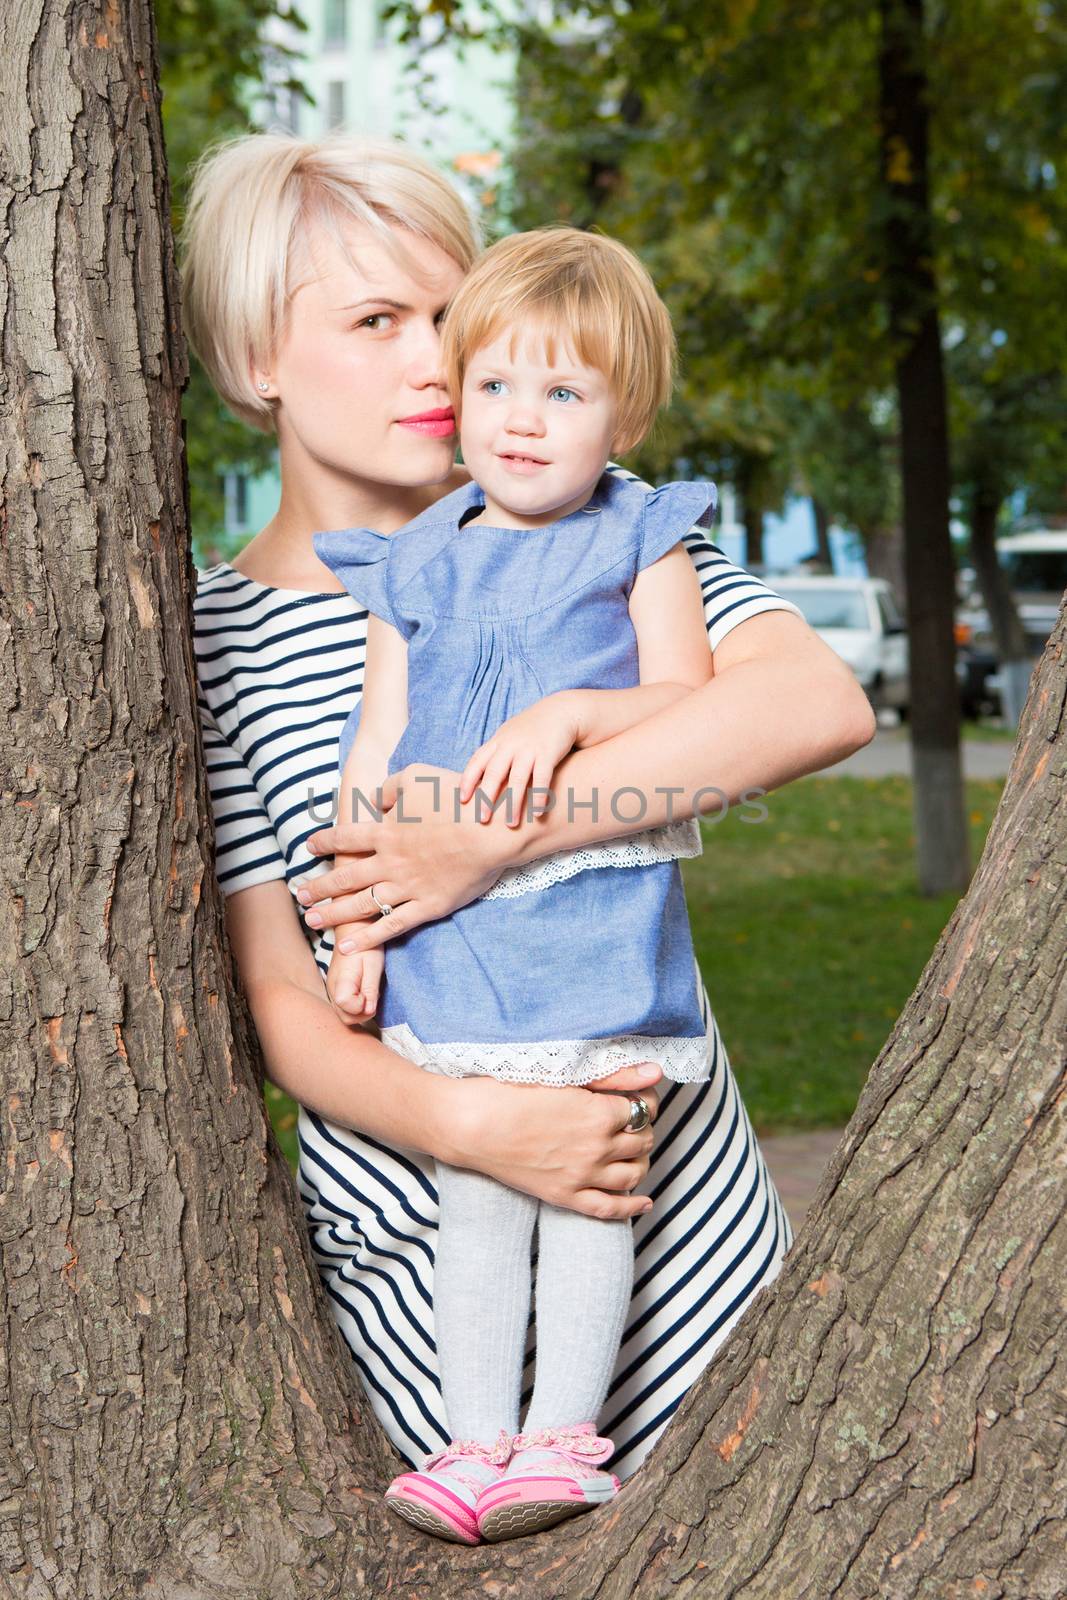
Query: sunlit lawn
(811, 934)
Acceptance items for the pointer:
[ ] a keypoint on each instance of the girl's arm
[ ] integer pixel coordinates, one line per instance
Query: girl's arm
(667, 611)
(383, 716)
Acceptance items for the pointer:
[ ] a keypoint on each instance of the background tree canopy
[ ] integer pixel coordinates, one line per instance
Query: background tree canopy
(213, 57)
(737, 149)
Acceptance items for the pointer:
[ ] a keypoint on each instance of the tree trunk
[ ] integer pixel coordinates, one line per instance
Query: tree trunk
(883, 548)
(749, 489)
(940, 816)
(1004, 620)
(179, 1417)
(821, 518)
(173, 1395)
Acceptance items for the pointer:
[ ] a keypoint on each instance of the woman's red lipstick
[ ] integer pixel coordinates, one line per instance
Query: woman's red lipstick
(437, 424)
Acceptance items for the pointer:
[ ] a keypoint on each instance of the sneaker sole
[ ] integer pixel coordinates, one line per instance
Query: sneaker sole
(424, 1516)
(520, 1511)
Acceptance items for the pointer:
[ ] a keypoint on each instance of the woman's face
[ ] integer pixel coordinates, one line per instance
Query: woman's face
(357, 375)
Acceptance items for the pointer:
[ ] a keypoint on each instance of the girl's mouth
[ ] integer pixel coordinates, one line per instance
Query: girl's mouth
(523, 464)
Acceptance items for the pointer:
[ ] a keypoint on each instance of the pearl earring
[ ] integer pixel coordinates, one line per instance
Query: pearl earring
(262, 385)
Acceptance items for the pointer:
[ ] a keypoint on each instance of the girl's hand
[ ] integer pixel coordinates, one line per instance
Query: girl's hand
(427, 856)
(353, 982)
(526, 747)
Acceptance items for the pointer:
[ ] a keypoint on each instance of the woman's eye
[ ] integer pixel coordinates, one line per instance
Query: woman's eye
(376, 321)
(566, 394)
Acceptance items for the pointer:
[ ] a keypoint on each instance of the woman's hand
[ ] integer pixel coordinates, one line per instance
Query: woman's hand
(567, 1146)
(525, 749)
(427, 855)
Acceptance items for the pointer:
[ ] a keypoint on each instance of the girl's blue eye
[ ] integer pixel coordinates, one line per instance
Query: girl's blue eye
(568, 394)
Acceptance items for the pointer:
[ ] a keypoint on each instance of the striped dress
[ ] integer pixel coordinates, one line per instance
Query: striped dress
(279, 671)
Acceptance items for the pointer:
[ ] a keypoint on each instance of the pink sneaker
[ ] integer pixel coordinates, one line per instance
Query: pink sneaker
(550, 1476)
(440, 1497)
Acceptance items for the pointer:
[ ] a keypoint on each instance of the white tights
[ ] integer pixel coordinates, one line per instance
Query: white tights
(482, 1295)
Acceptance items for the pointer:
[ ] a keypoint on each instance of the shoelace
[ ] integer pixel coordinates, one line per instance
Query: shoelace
(583, 1447)
(459, 1449)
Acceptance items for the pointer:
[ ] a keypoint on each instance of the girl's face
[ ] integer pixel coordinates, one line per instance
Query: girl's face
(536, 437)
(357, 371)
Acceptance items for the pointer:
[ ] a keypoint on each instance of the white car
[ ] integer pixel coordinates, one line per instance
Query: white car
(860, 620)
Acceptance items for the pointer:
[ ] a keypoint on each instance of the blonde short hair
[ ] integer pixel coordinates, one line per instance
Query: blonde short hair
(251, 203)
(584, 289)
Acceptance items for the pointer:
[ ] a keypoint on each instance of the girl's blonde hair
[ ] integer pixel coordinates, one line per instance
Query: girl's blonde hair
(252, 204)
(586, 291)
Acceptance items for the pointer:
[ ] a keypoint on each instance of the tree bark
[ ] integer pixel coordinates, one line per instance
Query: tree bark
(164, 1329)
(179, 1417)
(911, 287)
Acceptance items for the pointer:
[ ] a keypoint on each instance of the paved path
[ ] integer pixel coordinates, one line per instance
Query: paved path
(889, 755)
(797, 1162)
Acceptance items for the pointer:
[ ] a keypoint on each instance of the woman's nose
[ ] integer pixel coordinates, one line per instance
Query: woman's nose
(425, 368)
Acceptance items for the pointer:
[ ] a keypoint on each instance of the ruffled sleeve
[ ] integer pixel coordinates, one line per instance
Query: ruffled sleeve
(360, 558)
(669, 513)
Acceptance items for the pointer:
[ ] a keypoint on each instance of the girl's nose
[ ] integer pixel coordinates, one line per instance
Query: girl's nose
(524, 420)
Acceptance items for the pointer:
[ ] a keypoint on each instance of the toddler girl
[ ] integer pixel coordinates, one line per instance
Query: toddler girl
(546, 606)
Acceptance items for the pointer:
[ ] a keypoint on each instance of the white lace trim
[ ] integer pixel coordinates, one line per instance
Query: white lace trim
(672, 841)
(556, 1061)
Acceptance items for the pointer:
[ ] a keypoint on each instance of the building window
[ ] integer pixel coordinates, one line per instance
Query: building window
(379, 38)
(335, 24)
(235, 491)
(335, 104)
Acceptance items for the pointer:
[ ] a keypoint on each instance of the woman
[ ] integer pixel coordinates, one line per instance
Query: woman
(315, 279)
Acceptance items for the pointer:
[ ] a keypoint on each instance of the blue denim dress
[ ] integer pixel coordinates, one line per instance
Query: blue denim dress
(582, 962)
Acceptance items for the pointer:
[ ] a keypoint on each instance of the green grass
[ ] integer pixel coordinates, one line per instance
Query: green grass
(811, 934)
(985, 730)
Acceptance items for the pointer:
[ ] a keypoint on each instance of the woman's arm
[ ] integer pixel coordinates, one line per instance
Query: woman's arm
(563, 1145)
(780, 704)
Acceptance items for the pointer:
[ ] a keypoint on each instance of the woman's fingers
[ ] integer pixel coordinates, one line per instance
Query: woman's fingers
(375, 932)
(359, 908)
(610, 1207)
(631, 1081)
(348, 877)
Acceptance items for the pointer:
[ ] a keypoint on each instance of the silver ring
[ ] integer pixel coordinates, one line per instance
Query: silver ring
(385, 910)
(639, 1114)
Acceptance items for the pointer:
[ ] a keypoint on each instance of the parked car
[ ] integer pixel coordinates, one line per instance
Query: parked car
(860, 620)
(1035, 561)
